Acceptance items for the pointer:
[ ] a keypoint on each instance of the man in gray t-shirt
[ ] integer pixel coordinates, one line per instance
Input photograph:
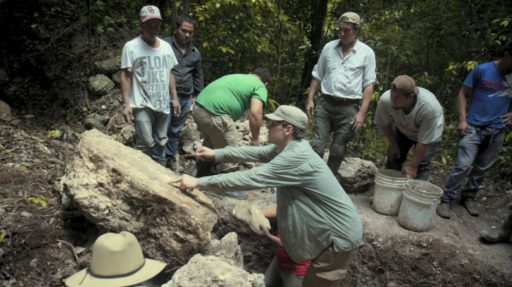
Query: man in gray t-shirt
(418, 120)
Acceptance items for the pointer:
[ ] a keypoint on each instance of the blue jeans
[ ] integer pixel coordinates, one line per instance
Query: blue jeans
(405, 144)
(175, 126)
(150, 129)
(476, 153)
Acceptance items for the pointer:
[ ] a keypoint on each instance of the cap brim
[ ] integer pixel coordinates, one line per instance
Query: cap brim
(150, 17)
(273, 117)
(83, 279)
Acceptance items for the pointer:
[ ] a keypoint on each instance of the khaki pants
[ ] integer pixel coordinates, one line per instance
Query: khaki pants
(217, 132)
(328, 268)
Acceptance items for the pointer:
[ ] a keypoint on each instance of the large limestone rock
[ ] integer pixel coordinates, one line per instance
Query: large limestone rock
(227, 249)
(118, 188)
(116, 77)
(190, 136)
(357, 174)
(5, 111)
(213, 272)
(244, 129)
(95, 121)
(108, 66)
(100, 85)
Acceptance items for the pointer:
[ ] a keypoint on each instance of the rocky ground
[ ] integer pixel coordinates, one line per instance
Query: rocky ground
(41, 242)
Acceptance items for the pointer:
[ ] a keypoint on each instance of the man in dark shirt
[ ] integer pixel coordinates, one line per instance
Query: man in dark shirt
(189, 82)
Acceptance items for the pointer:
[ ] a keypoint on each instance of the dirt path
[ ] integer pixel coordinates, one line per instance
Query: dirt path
(35, 234)
(449, 254)
(459, 234)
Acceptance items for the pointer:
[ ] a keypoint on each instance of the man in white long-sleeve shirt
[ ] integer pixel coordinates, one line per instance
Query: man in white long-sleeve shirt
(344, 74)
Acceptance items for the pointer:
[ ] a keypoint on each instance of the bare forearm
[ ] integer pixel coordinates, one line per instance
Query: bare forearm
(270, 212)
(419, 152)
(255, 121)
(126, 82)
(462, 102)
(172, 87)
(367, 98)
(313, 89)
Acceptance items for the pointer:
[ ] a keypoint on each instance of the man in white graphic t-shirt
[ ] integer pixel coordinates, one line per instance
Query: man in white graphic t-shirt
(147, 83)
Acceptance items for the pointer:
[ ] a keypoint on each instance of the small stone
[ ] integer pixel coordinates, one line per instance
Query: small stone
(26, 214)
(34, 262)
(79, 250)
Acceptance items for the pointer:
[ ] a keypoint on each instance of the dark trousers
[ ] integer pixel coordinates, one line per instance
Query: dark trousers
(405, 144)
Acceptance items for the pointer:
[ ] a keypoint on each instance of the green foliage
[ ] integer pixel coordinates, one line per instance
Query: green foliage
(435, 41)
(272, 105)
(238, 36)
(369, 143)
(3, 235)
(38, 200)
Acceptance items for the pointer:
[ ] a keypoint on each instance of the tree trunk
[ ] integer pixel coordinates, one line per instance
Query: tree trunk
(317, 18)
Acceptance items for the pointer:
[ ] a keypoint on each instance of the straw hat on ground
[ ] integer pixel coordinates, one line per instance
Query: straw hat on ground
(117, 261)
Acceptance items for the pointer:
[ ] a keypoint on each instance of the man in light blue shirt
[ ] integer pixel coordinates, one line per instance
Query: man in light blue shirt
(345, 74)
(316, 219)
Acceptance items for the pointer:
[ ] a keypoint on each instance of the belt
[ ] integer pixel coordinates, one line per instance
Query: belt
(339, 99)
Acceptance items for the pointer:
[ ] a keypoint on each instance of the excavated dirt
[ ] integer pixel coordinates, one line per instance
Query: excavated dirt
(41, 242)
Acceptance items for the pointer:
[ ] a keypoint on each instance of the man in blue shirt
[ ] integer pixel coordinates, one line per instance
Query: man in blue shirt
(483, 129)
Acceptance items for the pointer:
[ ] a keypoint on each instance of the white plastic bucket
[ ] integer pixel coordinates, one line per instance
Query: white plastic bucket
(419, 204)
(387, 193)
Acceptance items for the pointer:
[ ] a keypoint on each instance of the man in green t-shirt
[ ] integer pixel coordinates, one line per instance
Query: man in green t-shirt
(222, 103)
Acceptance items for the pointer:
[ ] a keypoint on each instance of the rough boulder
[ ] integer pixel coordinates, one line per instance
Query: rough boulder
(118, 188)
(357, 174)
(213, 272)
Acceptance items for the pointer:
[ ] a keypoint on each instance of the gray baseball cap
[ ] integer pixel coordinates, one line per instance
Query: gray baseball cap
(291, 115)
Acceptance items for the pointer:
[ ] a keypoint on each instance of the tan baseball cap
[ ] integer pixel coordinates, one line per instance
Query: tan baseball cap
(149, 12)
(291, 115)
(405, 85)
(350, 17)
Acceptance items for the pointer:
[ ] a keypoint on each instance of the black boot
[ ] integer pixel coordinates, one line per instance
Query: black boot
(498, 234)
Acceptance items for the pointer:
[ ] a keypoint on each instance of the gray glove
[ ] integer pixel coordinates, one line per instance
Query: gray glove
(252, 216)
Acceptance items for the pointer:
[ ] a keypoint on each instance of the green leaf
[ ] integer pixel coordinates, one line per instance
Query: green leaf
(39, 200)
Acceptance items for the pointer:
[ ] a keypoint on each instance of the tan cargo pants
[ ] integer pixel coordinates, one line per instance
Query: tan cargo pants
(217, 132)
(328, 268)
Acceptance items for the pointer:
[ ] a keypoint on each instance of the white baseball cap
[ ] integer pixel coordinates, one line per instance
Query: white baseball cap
(149, 12)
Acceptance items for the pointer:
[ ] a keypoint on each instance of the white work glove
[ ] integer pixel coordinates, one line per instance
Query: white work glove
(252, 216)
